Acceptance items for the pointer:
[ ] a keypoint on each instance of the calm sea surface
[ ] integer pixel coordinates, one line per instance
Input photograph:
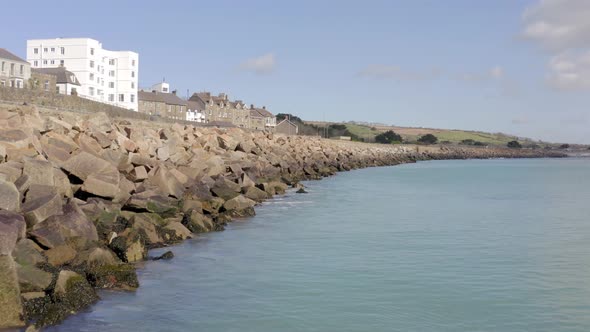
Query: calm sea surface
(494, 245)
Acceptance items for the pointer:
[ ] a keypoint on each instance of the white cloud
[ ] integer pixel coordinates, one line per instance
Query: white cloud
(558, 25)
(562, 27)
(264, 64)
(570, 71)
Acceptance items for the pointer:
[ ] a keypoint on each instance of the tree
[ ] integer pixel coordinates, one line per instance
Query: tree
(428, 139)
(514, 145)
(388, 137)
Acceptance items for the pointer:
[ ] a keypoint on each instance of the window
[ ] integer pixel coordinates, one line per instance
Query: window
(112, 62)
(91, 91)
(45, 50)
(44, 62)
(62, 63)
(36, 50)
(19, 84)
(91, 51)
(165, 89)
(4, 64)
(73, 92)
(133, 63)
(112, 97)
(63, 50)
(35, 63)
(132, 74)
(3, 83)
(46, 85)
(53, 50)
(132, 97)
(91, 64)
(52, 62)
(112, 85)
(132, 85)
(22, 69)
(12, 69)
(91, 77)
(122, 97)
(111, 73)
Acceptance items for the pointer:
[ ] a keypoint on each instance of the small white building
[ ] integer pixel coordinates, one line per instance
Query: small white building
(105, 76)
(161, 87)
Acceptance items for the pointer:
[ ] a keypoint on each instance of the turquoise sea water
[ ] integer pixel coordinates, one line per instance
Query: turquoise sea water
(492, 245)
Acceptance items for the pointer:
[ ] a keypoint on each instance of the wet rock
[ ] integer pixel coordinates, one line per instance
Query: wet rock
(197, 222)
(113, 276)
(238, 203)
(130, 246)
(176, 231)
(165, 256)
(301, 191)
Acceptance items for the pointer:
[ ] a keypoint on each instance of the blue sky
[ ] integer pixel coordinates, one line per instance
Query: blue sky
(514, 66)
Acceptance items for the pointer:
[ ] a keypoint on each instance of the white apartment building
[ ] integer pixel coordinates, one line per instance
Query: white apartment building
(105, 76)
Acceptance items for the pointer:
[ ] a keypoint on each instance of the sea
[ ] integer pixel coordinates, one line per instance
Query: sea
(465, 245)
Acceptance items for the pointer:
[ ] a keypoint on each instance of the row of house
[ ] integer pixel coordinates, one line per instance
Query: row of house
(204, 107)
(82, 67)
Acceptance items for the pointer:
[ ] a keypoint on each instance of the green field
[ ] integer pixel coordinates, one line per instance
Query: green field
(452, 136)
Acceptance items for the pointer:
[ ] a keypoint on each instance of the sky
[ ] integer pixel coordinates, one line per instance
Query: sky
(514, 66)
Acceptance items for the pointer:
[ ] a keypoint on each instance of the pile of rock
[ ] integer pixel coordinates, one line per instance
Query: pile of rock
(82, 197)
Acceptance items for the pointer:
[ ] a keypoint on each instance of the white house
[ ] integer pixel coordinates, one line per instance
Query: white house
(106, 76)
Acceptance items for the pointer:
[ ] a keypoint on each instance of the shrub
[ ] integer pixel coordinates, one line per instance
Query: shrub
(388, 137)
(428, 139)
(514, 145)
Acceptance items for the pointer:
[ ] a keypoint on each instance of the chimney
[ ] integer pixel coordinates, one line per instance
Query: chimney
(174, 92)
(251, 105)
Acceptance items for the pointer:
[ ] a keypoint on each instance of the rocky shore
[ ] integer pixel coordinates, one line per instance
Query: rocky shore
(82, 198)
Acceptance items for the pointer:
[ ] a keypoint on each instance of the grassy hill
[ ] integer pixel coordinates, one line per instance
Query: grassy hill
(367, 133)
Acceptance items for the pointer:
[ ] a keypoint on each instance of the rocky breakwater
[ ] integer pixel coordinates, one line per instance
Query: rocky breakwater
(82, 198)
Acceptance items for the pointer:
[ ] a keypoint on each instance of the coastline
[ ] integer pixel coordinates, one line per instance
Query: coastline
(92, 195)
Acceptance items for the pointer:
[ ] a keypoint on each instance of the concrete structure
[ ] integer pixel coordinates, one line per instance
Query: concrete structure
(286, 127)
(66, 82)
(165, 105)
(161, 87)
(14, 71)
(106, 76)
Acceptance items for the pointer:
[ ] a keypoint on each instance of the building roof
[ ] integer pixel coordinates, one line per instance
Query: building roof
(161, 97)
(260, 112)
(4, 54)
(196, 105)
(63, 76)
(287, 122)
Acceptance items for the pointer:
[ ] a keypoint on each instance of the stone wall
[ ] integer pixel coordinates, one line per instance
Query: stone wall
(163, 110)
(72, 104)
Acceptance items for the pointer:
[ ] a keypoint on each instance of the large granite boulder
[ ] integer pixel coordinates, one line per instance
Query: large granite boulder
(56, 230)
(10, 196)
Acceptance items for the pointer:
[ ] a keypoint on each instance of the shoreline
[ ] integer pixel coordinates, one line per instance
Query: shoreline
(89, 196)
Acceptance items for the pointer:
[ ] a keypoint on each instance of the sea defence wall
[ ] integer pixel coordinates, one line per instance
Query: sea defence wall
(83, 197)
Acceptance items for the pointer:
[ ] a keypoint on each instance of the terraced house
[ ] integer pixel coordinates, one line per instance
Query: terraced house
(14, 71)
(161, 104)
(219, 109)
